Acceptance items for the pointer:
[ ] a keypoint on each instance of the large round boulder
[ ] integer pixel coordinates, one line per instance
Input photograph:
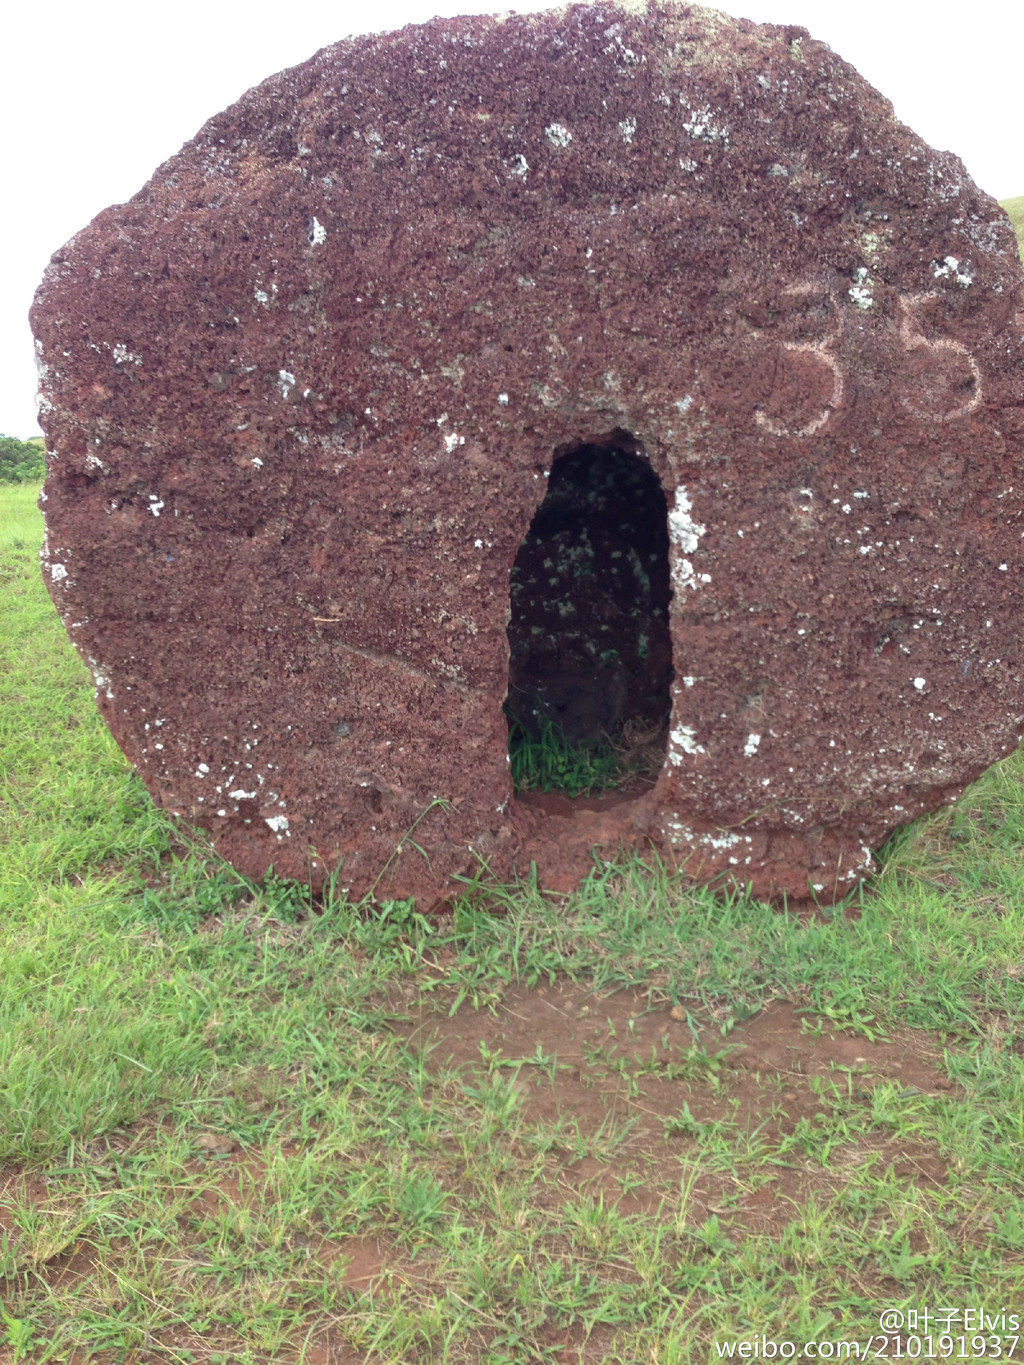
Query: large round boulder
(626, 369)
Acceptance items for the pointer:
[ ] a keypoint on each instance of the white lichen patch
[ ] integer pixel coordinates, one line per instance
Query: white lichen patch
(286, 382)
(618, 49)
(518, 168)
(503, 399)
(704, 125)
(101, 679)
(278, 823)
(447, 670)
(261, 296)
(677, 831)
(683, 530)
(156, 505)
(627, 127)
(683, 740)
(685, 533)
(558, 134)
(920, 684)
(317, 234)
(724, 840)
(58, 572)
(951, 268)
(122, 355)
(860, 292)
(750, 748)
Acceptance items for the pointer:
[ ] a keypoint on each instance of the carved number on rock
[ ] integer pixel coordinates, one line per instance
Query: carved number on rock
(911, 338)
(821, 349)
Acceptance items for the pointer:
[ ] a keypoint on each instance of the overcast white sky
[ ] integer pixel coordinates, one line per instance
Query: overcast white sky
(93, 97)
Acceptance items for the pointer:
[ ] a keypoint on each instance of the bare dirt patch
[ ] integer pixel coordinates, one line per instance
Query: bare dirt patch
(18, 1190)
(638, 1086)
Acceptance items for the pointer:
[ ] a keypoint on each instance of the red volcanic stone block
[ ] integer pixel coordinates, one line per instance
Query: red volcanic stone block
(627, 368)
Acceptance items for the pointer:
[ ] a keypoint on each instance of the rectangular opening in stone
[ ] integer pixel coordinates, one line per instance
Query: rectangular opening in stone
(590, 655)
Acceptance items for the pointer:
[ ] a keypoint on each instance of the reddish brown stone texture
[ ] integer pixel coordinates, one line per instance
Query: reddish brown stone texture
(302, 393)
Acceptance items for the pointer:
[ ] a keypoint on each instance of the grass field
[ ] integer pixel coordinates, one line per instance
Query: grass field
(626, 1125)
(1015, 208)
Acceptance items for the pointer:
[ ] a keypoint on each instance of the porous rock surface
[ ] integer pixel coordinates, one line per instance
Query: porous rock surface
(303, 395)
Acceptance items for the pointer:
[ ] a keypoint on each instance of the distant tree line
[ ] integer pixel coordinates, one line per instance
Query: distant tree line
(21, 461)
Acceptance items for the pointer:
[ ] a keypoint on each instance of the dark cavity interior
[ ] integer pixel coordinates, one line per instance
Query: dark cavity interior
(590, 649)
